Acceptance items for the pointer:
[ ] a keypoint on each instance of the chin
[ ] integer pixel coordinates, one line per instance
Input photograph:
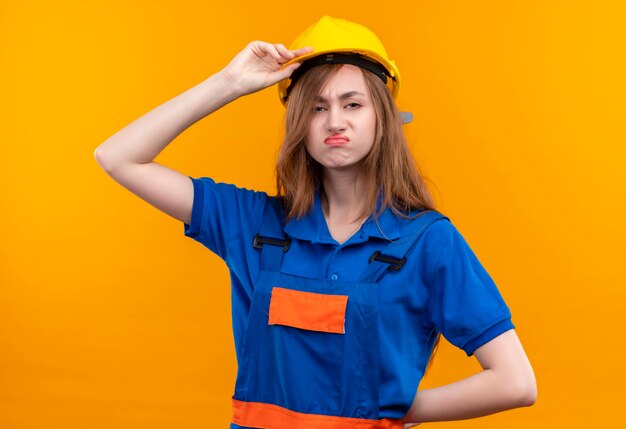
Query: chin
(338, 166)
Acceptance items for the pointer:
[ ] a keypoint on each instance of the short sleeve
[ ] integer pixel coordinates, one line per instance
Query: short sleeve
(223, 215)
(465, 305)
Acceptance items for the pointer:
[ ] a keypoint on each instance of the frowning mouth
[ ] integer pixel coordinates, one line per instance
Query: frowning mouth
(336, 140)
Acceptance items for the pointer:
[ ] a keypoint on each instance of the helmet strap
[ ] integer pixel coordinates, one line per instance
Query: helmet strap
(337, 58)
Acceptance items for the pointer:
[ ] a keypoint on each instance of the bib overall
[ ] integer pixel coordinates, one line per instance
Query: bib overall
(310, 357)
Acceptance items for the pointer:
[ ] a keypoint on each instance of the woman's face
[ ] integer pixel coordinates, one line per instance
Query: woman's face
(343, 125)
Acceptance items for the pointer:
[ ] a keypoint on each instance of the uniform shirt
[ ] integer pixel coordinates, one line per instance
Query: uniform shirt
(442, 287)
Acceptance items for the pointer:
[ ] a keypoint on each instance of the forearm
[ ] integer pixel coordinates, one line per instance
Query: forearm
(478, 395)
(142, 140)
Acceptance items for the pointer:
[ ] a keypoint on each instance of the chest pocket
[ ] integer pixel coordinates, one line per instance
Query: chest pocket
(297, 339)
(307, 310)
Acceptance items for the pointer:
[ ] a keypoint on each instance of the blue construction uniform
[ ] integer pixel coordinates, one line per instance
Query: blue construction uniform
(366, 355)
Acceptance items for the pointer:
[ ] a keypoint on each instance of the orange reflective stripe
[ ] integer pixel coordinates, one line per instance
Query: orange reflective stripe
(307, 310)
(270, 416)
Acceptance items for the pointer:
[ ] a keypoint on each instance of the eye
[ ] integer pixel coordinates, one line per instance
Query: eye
(353, 105)
(318, 108)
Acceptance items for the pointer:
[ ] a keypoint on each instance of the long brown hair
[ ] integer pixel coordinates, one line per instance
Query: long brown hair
(389, 170)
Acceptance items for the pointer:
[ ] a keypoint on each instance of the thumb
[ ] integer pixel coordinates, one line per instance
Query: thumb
(286, 72)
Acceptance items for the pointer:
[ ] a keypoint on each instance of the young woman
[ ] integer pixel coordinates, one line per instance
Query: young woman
(343, 281)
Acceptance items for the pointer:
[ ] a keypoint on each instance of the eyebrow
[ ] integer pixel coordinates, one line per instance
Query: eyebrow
(342, 96)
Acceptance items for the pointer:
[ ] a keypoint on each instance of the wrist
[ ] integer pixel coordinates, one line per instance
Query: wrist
(229, 86)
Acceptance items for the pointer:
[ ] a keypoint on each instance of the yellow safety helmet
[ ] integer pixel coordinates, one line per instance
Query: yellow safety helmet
(337, 40)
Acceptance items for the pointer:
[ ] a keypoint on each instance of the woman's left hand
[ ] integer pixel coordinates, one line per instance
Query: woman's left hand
(410, 425)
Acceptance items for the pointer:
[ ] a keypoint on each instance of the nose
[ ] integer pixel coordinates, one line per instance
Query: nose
(336, 121)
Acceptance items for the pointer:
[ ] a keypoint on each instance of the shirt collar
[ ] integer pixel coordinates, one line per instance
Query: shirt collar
(312, 227)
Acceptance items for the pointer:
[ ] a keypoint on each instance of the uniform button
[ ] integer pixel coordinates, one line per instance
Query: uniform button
(334, 277)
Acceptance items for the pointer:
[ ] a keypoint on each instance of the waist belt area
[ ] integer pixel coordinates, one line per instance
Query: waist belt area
(269, 416)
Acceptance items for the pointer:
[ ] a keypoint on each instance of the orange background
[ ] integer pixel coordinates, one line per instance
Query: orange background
(110, 317)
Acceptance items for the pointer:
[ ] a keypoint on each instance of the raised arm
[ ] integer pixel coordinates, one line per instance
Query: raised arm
(128, 156)
(507, 381)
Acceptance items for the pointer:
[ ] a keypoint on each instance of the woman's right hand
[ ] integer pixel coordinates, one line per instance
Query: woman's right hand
(258, 66)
